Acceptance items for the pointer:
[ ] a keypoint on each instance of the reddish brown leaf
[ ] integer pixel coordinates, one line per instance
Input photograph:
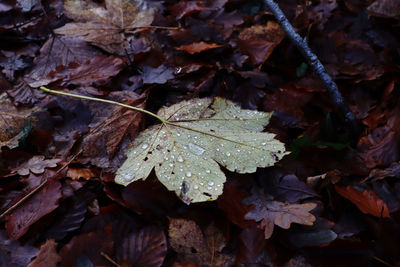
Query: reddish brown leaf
(195, 48)
(230, 202)
(47, 256)
(271, 212)
(366, 201)
(89, 245)
(259, 41)
(147, 247)
(186, 8)
(58, 51)
(95, 71)
(40, 204)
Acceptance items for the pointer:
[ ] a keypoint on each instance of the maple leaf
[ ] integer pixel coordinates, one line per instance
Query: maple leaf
(196, 135)
(106, 27)
(271, 212)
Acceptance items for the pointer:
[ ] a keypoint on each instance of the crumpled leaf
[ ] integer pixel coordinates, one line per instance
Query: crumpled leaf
(36, 165)
(194, 247)
(197, 135)
(106, 27)
(271, 212)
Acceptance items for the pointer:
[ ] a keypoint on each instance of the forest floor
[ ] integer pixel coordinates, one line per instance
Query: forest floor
(333, 201)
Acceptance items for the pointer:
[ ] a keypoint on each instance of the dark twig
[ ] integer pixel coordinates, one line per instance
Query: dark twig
(316, 65)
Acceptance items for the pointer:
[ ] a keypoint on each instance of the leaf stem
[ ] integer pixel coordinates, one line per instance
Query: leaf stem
(104, 101)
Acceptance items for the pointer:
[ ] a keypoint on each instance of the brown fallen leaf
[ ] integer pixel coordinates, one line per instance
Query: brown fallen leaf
(102, 141)
(58, 51)
(76, 173)
(195, 48)
(96, 70)
(195, 247)
(47, 256)
(259, 41)
(36, 165)
(40, 204)
(107, 27)
(366, 201)
(271, 212)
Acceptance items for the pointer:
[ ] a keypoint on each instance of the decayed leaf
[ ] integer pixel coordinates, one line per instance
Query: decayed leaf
(271, 212)
(15, 123)
(36, 165)
(192, 246)
(106, 27)
(196, 135)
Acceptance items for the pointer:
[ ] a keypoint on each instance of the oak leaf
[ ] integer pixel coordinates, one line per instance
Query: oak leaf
(271, 212)
(194, 137)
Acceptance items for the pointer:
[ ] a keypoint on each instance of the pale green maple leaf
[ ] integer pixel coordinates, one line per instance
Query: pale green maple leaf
(195, 137)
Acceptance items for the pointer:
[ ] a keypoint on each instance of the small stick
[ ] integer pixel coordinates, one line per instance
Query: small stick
(317, 67)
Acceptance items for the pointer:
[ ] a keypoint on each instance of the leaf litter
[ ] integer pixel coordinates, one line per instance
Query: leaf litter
(195, 136)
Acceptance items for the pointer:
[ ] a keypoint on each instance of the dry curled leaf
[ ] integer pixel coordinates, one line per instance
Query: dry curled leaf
(194, 138)
(106, 27)
(271, 212)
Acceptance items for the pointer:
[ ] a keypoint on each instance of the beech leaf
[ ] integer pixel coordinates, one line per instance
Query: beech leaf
(194, 137)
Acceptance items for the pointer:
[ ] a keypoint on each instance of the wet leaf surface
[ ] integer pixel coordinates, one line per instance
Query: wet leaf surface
(200, 133)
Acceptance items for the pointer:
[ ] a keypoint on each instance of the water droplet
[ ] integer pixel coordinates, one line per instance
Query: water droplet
(218, 185)
(196, 186)
(238, 150)
(166, 158)
(184, 147)
(171, 165)
(217, 149)
(210, 183)
(144, 146)
(180, 159)
(199, 104)
(263, 143)
(208, 171)
(227, 154)
(188, 136)
(178, 134)
(188, 174)
(201, 183)
(196, 137)
(196, 149)
(209, 187)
